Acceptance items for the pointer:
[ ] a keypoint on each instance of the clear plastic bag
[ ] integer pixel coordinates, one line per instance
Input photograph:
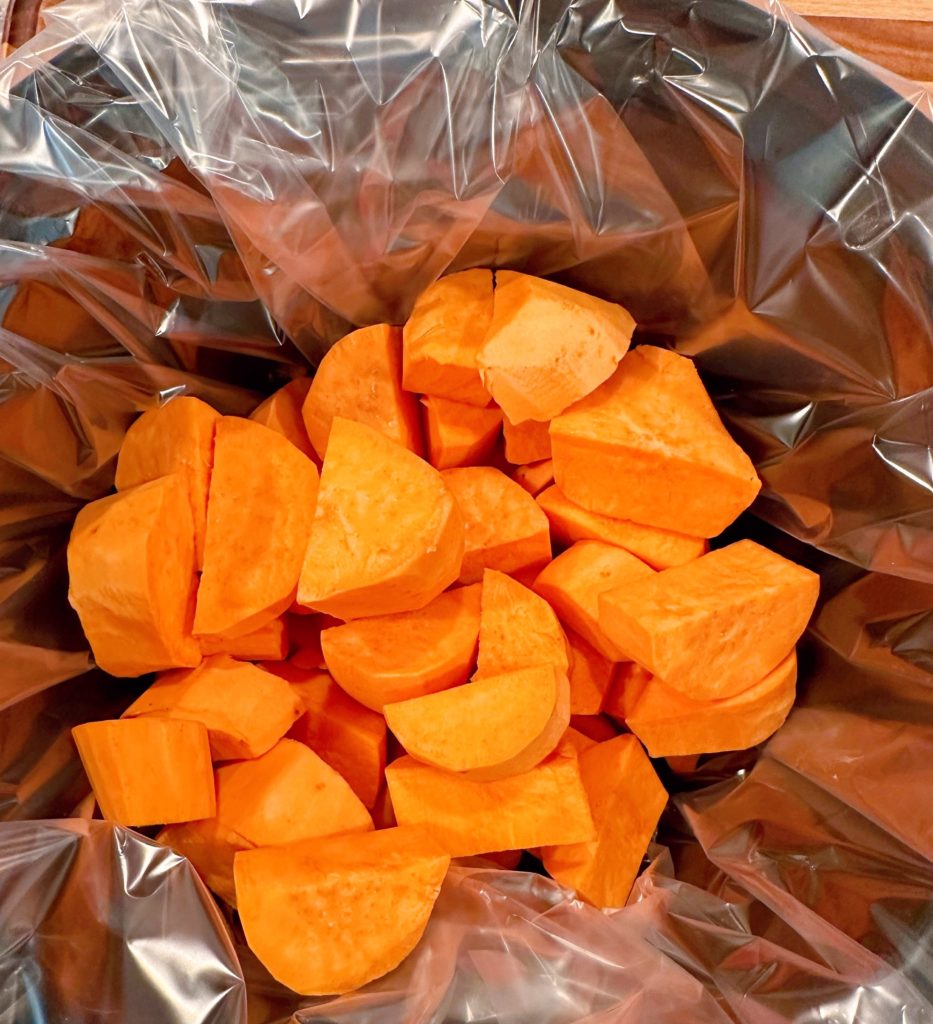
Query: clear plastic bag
(201, 196)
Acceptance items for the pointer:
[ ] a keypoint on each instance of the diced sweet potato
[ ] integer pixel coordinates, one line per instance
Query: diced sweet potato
(626, 798)
(591, 676)
(268, 643)
(392, 658)
(517, 629)
(649, 446)
(629, 679)
(572, 583)
(178, 437)
(262, 500)
(716, 626)
(281, 412)
(598, 728)
(148, 771)
(360, 379)
(661, 549)
(578, 741)
(459, 434)
(489, 729)
(535, 477)
(545, 805)
(548, 345)
(131, 570)
(670, 724)
(244, 709)
(387, 536)
(503, 527)
(526, 442)
(446, 329)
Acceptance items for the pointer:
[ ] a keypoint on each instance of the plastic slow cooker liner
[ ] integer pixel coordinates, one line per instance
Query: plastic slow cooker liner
(200, 197)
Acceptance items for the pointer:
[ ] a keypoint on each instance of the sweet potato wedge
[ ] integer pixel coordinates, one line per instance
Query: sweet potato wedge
(281, 412)
(459, 434)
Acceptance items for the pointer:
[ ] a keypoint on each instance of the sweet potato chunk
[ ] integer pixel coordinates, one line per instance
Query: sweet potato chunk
(392, 658)
(503, 527)
(267, 643)
(148, 771)
(459, 434)
(244, 709)
(670, 724)
(545, 805)
(548, 345)
(626, 798)
(629, 679)
(661, 549)
(132, 578)
(572, 583)
(517, 629)
(178, 437)
(360, 379)
(352, 907)
(387, 536)
(526, 442)
(444, 332)
(716, 626)
(262, 499)
(535, 477)
(491, 728)
(281, 412)
(649, 446)
(597, 728)
(591, 676)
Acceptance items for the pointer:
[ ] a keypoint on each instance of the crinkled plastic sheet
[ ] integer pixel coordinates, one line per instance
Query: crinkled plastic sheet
(200, 197)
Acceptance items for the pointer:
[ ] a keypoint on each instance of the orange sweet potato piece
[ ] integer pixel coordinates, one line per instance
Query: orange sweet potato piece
(526, 442)
(489, 729)
(444, 332)
(716, 626)
(629, 679)
(548, 345)
(626, 798)
(360, 378)
(148, 771)
(269, 642)
(262, 499)
(503, 527)
(392, 658)
(132, 578)
(598, 728)
(649, 446)
(545, 805)
(348, 736)
(517, 629)
(661, 549)
(670, 724)
(352, 907)
(579, 741)
(178, 437)
(244, 709)
(459, 434)
(572, 583)
(535, 477)
(591, 676)
(281, 412)
(387, 535)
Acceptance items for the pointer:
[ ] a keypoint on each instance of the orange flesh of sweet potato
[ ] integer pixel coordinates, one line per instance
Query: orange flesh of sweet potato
(591, 676)
(661, 549)
(268, 643)
(148, 771)
(326, 916)
(210, 846)
(394, 658)
(626, 798)
(387, 535)
(262, 499)
(545, 805)
(578, 741)
(131, 568)
(491, 728)
(535, 477)
(548, 345)
(178, 437)
(671, 725)
(649, 446)
(360, 378)
(629, 679)
(459, 434)
(281, 412)
(716, 626)
(244, 709)
(598, 728)
(572, 583)
(517, 629)
(348, 736)
(503, 527)
(444, 332)
(526, 442)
